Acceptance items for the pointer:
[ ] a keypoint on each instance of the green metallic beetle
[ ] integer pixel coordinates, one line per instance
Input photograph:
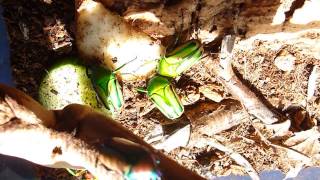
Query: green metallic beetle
(107, 87)
(164, 97)
(180, 59)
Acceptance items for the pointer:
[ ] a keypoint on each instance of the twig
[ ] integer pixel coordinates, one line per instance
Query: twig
(312, 82)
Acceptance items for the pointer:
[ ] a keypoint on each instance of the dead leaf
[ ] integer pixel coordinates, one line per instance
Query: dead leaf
(306, 142)
(180, 138)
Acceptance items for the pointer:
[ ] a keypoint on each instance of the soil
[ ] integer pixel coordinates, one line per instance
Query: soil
(42, 31)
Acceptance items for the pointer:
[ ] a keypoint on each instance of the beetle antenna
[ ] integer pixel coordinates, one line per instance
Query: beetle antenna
(125, 64)
(204, 56)
(142, 90)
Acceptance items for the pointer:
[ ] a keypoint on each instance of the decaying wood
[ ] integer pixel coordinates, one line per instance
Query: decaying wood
(211, 18)
(296, 154)
(74, 139)
(283, 19)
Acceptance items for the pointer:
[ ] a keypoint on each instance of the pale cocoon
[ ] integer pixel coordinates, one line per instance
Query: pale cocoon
(104, 36)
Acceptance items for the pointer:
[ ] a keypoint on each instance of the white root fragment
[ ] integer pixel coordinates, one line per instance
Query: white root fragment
(210, 93)
(299, 137)
(306, 142)
(294, 171)
(280, 129)
(175, 140)
(228, 78)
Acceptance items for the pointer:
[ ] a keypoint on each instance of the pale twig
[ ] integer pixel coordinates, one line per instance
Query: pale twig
(312, 82)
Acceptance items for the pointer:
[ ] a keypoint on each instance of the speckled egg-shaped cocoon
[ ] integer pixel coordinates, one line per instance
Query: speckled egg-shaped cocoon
(65, 83)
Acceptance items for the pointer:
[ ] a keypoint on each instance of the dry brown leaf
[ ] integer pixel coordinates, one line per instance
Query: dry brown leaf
(306, 142)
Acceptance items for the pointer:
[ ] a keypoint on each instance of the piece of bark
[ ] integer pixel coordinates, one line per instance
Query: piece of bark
(125, 6)
(214, 17)
(30, 140)
(53, 149)
(165, 19)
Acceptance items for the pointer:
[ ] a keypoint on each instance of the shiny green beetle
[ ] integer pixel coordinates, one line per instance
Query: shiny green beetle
(107, 87)
(180, 59)
(164, 97)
